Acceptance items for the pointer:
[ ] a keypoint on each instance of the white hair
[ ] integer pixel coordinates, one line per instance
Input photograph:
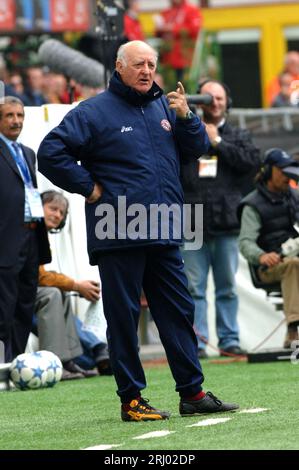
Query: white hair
(122, 51)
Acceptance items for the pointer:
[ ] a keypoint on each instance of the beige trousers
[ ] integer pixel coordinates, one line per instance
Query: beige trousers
(55, 324)
(287, 272)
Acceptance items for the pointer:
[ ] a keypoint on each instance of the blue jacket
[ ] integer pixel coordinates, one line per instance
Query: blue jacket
(132, 145)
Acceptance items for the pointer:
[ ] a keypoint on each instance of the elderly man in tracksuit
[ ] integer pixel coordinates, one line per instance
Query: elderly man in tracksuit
(129, 140)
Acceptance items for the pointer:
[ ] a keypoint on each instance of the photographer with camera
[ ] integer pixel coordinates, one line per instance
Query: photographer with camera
(218, 181)
(268, 215)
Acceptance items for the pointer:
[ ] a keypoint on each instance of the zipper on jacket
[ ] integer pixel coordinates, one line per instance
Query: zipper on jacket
(157, 164)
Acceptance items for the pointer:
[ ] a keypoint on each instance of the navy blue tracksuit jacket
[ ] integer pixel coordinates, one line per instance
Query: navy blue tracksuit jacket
(132, 144)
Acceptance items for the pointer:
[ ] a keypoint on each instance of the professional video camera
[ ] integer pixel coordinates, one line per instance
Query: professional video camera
(109, 30)
(110, 19)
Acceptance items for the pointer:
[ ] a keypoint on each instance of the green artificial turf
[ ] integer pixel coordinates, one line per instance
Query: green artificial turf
(84, 413)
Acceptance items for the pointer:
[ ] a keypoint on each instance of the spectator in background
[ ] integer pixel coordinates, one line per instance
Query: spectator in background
(24, 243)
(34, 87)
(284, 97)
(132, 26)
(291, 66)
(54, 86)
(76, 92)
(14, 86)
(55, 320)
(178, 27)
(268, 215)
(217, 181)
(159, 80)
(16, 82)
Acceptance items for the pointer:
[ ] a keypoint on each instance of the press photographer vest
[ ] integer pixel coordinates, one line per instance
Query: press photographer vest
(278, 215)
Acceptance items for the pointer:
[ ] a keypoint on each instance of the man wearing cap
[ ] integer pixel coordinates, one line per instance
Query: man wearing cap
(268, 215)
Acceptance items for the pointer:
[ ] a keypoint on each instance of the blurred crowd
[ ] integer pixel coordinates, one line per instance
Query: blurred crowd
(283, 89)
(176, 30)
(38, 85)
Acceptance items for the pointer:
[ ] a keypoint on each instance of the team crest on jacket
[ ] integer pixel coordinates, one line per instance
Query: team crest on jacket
(166, 125)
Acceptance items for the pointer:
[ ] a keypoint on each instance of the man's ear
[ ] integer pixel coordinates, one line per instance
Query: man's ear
(118, 66)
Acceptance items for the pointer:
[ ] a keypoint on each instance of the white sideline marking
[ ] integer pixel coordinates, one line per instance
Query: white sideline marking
(102, 447)
(204, 422)
(149, 435)
(209, 422)
(254, 410)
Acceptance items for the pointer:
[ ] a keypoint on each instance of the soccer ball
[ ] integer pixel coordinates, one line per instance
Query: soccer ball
(28, 371)
(35, 370)
(54, 371)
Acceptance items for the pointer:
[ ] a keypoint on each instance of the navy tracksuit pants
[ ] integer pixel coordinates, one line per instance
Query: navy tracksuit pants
(159, 270)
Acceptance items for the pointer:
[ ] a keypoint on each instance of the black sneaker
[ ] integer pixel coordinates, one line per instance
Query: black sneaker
(208, 404)
(140, 410)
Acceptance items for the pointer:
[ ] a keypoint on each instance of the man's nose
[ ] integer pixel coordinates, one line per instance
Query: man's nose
(16, 119)
(145, 68)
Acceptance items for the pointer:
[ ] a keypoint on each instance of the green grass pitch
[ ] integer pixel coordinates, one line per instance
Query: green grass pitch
(85, 413)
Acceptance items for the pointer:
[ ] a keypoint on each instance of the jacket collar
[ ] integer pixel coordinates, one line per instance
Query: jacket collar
(117, 86)
(274, 198)
(8, 157)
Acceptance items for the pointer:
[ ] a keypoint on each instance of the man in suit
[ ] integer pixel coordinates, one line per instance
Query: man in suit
(24, 244)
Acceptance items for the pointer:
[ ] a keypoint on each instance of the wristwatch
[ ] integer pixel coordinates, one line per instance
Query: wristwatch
(189, 114)
(216, 141)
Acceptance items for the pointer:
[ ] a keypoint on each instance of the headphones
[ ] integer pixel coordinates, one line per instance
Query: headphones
(266, 172)
(49, 196)
(267, 168)
(229, 101)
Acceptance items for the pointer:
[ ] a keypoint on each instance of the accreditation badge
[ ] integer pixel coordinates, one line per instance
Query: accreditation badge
(207, 166)
(35, 203)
